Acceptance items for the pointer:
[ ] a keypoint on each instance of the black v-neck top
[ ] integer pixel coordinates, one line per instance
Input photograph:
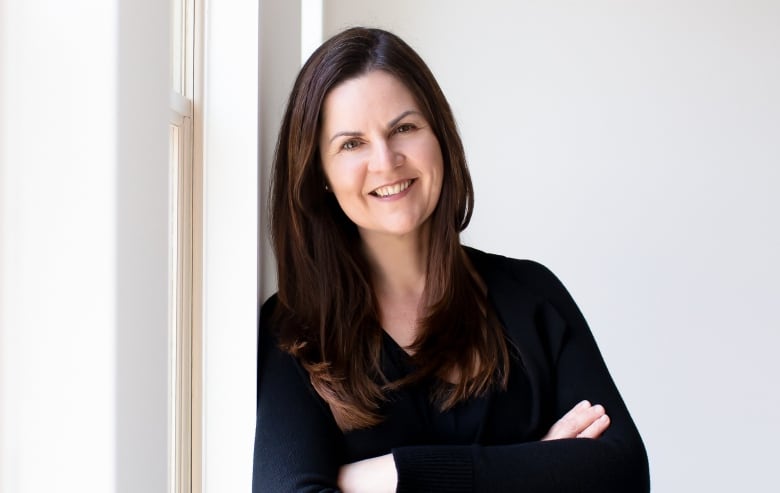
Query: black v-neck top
(487, 444)
(462, 424)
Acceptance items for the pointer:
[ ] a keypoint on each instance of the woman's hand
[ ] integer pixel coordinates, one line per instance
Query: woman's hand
(375, 475)
(583, 421)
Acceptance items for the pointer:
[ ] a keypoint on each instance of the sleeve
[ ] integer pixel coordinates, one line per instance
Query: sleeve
(615, 462)
(298, 447)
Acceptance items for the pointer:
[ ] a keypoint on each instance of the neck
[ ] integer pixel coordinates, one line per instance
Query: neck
(398, 264)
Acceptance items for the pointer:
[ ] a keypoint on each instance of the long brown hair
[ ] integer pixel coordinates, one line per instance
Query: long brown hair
(327, 312)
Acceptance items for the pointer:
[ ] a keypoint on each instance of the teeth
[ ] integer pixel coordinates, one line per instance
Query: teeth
(393, 189)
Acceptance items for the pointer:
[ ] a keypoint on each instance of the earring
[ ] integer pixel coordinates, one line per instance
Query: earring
(326, 188)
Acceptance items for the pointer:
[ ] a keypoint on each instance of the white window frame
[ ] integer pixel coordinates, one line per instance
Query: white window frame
(180, 296)
(183, 271)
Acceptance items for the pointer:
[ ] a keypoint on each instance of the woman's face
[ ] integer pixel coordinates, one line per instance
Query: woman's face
(380, 156)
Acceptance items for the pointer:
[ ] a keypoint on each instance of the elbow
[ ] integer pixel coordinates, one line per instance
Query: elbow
(632, 468)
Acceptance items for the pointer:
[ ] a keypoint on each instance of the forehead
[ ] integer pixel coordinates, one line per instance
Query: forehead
(373, 97)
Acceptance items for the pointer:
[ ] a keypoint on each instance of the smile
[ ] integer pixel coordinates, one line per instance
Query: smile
(390, 190)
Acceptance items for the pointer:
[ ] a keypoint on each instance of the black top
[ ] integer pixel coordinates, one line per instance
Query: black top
(489, 444)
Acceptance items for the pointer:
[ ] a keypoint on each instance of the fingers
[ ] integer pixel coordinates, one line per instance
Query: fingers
(583, 421)
(596, 428)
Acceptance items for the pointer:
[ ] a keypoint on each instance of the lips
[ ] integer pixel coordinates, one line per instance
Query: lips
(390, 190)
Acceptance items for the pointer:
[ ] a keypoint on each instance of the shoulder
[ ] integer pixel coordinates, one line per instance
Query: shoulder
(498, 271)
(519, 288)
(266, 320)
(274, 362)
(268, 307)
(269, 333)
(523, 285)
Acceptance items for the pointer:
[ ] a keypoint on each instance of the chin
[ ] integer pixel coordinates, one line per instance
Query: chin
(394, 231)
(405, 230)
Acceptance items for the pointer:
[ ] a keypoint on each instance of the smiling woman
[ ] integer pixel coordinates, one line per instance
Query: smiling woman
(393, 358)
(386, 176)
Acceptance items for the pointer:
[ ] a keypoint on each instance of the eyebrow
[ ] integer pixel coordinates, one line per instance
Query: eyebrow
(391, 123)
(400, 117)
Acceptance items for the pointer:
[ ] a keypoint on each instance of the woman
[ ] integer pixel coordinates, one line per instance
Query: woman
(393, 358)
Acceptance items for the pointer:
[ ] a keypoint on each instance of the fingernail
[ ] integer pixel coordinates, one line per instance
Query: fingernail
(584, 403)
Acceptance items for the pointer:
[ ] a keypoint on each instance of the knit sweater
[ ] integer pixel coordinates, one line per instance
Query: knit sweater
(486, 444)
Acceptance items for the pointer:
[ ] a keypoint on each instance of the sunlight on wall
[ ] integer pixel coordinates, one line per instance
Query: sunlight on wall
(311, 27)
(58, 245)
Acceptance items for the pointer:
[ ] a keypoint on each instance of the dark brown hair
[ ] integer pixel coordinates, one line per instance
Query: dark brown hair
(327, 314)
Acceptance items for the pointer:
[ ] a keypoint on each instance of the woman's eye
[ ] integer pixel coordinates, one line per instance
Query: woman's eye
(350, 144)
(406, 127)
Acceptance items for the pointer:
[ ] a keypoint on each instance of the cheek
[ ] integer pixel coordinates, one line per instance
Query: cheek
(345, 175)
(426, 153)
(437, 169)
(437, 184)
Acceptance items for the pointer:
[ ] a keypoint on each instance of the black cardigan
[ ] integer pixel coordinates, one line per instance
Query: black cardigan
(298, 446)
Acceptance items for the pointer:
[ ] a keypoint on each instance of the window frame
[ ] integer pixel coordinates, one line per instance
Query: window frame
(183, 270)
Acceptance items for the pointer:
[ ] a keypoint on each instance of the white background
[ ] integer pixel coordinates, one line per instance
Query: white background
(83, 246)
(634, 148)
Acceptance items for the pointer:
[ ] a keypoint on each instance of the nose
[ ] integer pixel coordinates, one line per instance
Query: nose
(384, 157)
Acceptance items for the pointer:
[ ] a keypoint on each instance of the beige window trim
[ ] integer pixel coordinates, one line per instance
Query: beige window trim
(184, 266)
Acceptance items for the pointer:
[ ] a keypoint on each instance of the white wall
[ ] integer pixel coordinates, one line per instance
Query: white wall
(280, 60)
(229, 115)
(633, 148)
(83, 245)
(141, 225)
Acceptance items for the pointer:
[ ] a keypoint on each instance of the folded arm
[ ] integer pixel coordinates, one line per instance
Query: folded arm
(379, 474)
(581, 452)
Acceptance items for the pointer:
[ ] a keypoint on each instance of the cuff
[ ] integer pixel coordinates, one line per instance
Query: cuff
(434, 469)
